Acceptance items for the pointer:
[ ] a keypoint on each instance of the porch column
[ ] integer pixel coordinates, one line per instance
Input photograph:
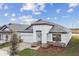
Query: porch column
(34, 44)
(34, 37)
(44, 40)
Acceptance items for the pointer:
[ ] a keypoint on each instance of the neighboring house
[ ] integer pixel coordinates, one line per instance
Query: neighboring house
(40, 32)
(6, 31)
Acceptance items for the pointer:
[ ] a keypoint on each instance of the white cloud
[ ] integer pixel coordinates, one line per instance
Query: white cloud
(51, 4)
(28, 6)
(77, 22)
(48, 18)
(13, 19)
(42, 6)
(27, 19)
(39, 7)
(5, 7)
(65, 16)
(6, 14)
(72, 6)
(58, 10)
(1, 5)
(55, 18)
(70, 10)
(36, 13)
(13, 14)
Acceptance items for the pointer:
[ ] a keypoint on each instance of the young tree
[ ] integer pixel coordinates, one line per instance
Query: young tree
(14, 44)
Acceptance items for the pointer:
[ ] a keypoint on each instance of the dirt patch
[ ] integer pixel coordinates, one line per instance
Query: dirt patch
(51, 49)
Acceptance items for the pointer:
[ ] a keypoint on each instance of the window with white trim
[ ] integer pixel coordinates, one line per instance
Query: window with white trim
(57, 37)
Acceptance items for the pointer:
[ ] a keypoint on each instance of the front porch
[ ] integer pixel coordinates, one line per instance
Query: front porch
(48, 39)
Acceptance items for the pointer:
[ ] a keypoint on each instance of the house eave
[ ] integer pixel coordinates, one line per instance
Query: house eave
(43, 24)
(59, 32)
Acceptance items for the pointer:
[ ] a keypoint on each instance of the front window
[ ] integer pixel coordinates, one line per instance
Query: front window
(56, 37)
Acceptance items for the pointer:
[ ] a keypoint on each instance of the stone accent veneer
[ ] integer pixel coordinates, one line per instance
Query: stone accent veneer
(35, 44)
(44, 45)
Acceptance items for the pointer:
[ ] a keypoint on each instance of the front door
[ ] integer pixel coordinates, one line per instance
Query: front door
(39, 36)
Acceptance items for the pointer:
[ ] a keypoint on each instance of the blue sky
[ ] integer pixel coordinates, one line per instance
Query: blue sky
(61, 13)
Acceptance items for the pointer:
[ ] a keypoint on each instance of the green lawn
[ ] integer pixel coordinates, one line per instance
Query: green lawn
(72, 49)
(4, 45)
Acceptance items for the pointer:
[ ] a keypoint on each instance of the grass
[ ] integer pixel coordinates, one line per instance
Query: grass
(26, 52)
(72, 49)
(5, 45)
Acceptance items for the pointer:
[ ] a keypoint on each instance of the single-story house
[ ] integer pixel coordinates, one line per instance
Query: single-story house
(40, 32)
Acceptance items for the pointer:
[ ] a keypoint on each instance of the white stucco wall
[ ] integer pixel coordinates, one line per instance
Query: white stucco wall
(44, 28)
(27, 37)
(9, 37)
(65, 38)
(49, 37)
(3, 36)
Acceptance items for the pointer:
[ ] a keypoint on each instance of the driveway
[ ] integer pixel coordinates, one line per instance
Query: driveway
(3, 53)
(21, 47)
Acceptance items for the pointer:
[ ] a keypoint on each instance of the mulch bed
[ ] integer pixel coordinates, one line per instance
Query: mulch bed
(51, 49)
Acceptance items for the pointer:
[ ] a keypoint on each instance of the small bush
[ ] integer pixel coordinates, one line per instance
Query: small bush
(20, 40)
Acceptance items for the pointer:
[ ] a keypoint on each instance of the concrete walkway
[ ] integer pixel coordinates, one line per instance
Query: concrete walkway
(23, 46)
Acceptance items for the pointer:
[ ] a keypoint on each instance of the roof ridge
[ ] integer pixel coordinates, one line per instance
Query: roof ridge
(16, 24)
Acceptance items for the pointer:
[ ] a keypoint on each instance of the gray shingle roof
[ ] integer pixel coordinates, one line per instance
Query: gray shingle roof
(22, 27)
(59, 28)
(42, 22)
(16, 27)
(56, 28)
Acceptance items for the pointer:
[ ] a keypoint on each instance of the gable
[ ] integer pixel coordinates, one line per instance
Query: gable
(6, 29)
(16, 27)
